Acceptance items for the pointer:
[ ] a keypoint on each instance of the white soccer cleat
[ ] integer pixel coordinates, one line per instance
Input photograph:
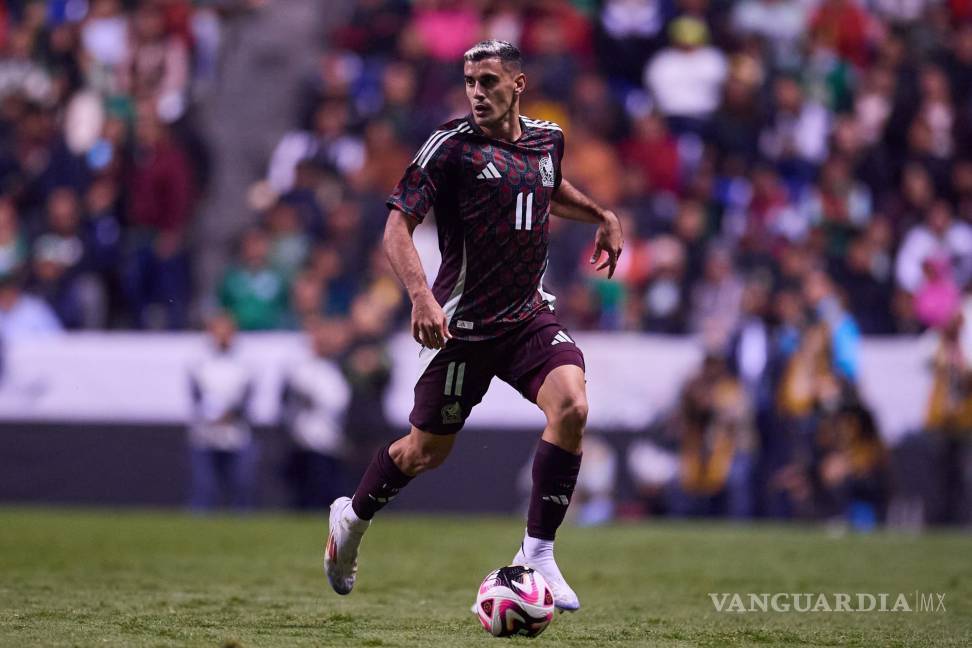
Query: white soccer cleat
(344, 535)
(565, 599)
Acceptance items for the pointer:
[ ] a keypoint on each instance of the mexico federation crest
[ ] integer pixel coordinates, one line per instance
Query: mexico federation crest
(546, 171)
(451, 413)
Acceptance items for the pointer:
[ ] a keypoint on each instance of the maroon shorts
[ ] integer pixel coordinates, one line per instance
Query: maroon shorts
(457, 376)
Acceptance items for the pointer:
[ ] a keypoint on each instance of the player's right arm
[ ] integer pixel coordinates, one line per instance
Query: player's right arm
(414, 197)
(410, 202)
(429, 325)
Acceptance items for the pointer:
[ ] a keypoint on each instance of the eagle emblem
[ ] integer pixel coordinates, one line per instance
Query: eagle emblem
(452, 413)
(547, 171)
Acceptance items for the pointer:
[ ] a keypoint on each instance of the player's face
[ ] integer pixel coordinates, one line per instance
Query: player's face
(491, 89)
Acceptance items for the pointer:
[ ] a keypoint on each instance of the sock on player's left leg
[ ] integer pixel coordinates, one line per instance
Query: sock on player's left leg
(554, 477)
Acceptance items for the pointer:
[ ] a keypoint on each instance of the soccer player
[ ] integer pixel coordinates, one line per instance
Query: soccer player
(493, 179)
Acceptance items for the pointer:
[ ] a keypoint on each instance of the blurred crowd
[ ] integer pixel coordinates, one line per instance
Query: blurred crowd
(101, 164)
(790, 174)
(771, 137)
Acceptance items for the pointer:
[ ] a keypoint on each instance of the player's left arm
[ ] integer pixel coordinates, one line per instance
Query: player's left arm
(569, 202)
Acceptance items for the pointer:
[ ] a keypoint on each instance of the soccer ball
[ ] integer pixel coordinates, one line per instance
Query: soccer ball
(515, 601)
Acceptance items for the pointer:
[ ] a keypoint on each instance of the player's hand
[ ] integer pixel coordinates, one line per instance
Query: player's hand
(429, 325)
(610, 239)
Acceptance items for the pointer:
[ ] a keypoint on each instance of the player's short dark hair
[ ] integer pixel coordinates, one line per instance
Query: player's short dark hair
(507, 53)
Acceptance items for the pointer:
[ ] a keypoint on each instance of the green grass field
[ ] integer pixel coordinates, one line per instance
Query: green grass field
(81, 578)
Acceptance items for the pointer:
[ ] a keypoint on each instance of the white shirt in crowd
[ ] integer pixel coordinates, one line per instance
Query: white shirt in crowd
(687, 83)
(803, 135)
(782, 23)
(28, 317)
(632, 18)
(221, 385)
(316, 399)
(346, 153)
(921, 243)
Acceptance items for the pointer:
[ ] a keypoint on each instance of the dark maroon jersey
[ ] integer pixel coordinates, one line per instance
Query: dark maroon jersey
(492, 206)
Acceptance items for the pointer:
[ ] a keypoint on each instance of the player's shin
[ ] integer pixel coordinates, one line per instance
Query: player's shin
(379, 485)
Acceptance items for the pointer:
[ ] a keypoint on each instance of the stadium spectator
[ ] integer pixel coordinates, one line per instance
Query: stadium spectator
(290, 241)
(716, 443)
(445, 28)
(764, 217)
(653, 151)
(949, 418)
(826, 307)
(839, 207)
(939, 236)
(937, 301)
(851, 469)
(845, 27)
(384, 155)
(686, 79)
(632, 29)
(330, 144)
(314, 402)
(253, 291)
(716, 299)
(23, 315)
(102, 233)
(795, 135)
(780, 23)
(161, 206)
(665, 306)
(223, 455)
(307, 298)
(59, 264)
(20, 75)
(736, 123)
(106, 46)
(159, 67)
(809, 390)
(957, 63)
(864, 276)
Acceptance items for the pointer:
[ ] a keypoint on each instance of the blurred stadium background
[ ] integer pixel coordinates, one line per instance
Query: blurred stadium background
(195, 309)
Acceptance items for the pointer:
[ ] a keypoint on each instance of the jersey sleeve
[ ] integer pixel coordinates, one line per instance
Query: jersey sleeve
(559, 147)
(425, 179)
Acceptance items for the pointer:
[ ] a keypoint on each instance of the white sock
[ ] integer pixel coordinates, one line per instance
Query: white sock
(353, 521)
(535, 548)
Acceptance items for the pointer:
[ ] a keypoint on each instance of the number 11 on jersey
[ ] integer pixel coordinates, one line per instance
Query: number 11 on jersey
(524, 217)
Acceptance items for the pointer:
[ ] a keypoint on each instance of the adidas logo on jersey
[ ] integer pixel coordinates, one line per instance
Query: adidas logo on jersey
(489, 173)
(561, 337)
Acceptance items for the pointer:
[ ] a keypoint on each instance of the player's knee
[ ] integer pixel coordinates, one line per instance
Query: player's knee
(572, 415)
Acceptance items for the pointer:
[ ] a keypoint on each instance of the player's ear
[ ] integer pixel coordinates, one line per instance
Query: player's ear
(519, 84)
